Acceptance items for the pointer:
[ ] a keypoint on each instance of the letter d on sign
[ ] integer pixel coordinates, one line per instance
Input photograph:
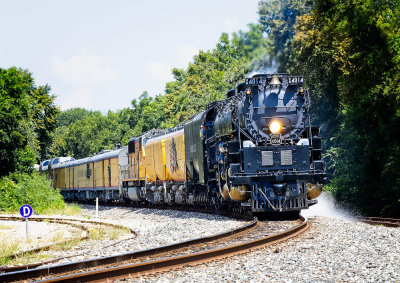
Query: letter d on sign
(25, 210)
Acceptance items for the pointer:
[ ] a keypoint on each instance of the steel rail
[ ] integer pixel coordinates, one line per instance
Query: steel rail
(36, 218)
(388, 222)
(62, 268)
(144, 268)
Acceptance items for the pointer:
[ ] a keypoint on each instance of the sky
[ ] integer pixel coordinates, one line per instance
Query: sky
(100, 55)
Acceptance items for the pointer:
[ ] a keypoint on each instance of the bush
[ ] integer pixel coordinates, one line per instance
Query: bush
(35, 189)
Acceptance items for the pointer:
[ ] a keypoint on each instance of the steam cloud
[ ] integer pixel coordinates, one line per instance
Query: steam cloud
(264, 66)
(327, 207)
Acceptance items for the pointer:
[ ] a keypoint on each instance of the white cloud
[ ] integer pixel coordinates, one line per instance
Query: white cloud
(80, 97)
(185, 53)
(84, 69)
(159, 71)
(231, 25)
(1, 48)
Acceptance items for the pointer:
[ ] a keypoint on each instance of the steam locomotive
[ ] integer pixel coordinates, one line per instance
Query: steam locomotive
(253, 152)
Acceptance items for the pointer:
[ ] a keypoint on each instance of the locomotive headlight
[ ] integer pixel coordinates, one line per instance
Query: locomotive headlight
(275, 127)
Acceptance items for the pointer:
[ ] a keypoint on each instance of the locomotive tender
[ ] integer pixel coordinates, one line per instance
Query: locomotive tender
(254, 151)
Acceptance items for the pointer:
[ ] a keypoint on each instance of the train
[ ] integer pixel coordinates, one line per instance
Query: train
(253, 152)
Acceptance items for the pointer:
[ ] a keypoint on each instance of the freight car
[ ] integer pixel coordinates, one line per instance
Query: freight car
(254, 151)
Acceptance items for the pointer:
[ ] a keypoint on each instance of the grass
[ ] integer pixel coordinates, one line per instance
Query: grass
(63, 246)
(109, 233)
(7, 248)
(25, 258)
(69, 209)
(58, 237)
(5, 226)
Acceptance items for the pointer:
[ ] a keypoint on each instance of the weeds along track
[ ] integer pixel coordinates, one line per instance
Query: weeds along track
(77, 223)
(251, 236)
(388, 222)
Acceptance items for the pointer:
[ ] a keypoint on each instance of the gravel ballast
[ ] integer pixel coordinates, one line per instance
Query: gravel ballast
(333, 250)
(153, 228)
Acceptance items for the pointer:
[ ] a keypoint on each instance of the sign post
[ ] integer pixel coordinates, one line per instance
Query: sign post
(26, 212)
(97, 208)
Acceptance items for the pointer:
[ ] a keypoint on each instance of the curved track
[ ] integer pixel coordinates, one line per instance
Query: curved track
(388, 222)
(123, 266)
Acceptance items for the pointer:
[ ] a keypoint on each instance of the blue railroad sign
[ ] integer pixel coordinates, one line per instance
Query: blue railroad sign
(26, 210)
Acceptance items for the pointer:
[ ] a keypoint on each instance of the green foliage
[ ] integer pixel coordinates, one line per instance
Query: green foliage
(36, 190)
(67, 117)
(27, 118)
(92, 133)
(146, 114)
(278, 18)
(43, 116)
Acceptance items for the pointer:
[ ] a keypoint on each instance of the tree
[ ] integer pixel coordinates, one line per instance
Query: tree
(27, 118)
(279, 17)
(147, 113)
(91, 133)
(44, 117)
(69, 116)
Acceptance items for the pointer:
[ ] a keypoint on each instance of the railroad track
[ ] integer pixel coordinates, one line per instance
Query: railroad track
(241, 240)
(388, 222)
(67, 221)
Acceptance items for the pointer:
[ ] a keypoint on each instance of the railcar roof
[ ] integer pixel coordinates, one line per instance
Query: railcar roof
(95, 158)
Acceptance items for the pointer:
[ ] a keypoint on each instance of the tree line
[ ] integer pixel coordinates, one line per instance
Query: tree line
(347, 51)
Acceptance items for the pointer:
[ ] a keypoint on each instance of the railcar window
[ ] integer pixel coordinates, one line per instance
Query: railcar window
(87, 171)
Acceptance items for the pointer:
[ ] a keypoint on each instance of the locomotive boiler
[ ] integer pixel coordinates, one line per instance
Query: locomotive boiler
(255, 151)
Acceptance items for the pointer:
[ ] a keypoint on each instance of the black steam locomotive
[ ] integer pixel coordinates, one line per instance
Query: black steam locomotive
(259, 147)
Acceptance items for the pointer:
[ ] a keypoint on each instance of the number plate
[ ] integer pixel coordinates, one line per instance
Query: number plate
(256, 81)
(275, 139)
(295, 80)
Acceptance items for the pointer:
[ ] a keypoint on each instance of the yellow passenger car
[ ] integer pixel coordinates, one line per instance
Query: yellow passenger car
(91, 177)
